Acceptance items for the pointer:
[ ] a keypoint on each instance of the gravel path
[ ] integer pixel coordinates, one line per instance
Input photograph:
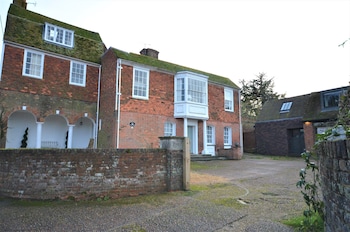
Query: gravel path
(266, 186)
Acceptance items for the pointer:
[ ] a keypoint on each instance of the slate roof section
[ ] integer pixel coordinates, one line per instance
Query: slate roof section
(314, 111)
(26, 27)
(307, 107)
(170, 67)
(271, 110)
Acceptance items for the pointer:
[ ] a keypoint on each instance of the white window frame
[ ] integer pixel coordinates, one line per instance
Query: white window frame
(169, 129)
(197, 90)
(137, 84)
(71, 82)
(29, 65)
(229, 100)
(210, 135)
(180, 89)
(286, 106)
(227, 137)
(53, 34)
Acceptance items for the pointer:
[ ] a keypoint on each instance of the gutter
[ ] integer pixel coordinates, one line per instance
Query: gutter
(240, 122)
(118, 94)
(97, 126)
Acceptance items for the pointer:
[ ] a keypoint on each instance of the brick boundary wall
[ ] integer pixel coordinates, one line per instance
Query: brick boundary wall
(335, 179)
(89, 173)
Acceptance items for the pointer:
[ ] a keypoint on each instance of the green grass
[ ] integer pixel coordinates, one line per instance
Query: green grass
(315, 223)
(205, 165)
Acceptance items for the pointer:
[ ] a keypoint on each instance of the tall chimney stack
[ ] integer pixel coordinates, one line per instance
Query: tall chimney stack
(20, 3)
(149, 52)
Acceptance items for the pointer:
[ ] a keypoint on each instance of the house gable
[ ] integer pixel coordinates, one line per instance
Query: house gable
(27, 28)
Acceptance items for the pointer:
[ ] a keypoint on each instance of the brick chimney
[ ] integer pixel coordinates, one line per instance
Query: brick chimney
(20, 3)
(149, 52)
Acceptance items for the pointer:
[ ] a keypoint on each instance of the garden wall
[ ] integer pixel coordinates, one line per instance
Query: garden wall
(89, 173)
(335, 176)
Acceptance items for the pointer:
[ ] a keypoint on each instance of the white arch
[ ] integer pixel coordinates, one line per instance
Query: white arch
(17, 123)
(54, 132)
(83, 131)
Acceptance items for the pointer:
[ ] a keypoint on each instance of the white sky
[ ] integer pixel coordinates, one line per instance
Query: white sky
(293, 41)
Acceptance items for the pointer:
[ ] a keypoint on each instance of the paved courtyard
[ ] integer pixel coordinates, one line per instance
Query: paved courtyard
(256, 194)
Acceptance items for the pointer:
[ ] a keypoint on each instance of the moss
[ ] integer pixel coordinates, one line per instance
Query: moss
(26, 27)
(170, 67)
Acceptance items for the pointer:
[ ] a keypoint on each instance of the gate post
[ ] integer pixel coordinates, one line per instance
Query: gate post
(186, 164)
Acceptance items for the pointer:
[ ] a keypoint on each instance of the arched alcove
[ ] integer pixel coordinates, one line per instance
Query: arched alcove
(83, 131)
(17, 123)
(54, 132)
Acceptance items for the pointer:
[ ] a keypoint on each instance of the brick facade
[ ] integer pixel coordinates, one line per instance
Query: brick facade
(150, 115)
(272, 137)
(44, 96)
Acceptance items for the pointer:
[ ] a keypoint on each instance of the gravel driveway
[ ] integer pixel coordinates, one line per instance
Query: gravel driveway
(263, 187)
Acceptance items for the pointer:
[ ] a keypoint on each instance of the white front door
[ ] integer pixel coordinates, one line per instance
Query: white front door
(192, 134)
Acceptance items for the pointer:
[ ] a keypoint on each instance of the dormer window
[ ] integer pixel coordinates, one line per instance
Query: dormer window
(286, 107)
(59, 35)
(330, 100)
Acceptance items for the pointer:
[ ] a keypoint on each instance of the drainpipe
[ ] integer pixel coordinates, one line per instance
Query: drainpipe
(98, 106)
(240, 121)
(118, 91)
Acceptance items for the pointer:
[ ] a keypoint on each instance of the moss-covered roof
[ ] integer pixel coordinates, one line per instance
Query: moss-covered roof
(26, 27)
(308, 107)
(170, 67)
(272, 109)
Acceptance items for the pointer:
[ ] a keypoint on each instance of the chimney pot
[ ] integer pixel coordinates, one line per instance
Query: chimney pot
(149, 52)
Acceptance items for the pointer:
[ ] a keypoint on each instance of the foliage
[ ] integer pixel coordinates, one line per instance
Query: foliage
(314, 214)
(3, 125)
(25, 139)
(255, 93)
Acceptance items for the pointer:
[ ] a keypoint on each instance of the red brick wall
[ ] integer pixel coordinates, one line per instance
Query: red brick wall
(309, 135)
(151, 114)
(43, 96)
(272, 137)
(108, 115)
(84, 174)
(55, 80)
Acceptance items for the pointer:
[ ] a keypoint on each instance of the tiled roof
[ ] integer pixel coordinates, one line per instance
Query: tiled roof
(26, 27)
(308, 107)
(170, 67)
(272, 109)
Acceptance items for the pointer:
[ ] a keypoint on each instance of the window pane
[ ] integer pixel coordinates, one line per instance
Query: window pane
(78, 74)
(59, 36)
(33, 64)
(196, 91)
(228, 100)
(140, 83)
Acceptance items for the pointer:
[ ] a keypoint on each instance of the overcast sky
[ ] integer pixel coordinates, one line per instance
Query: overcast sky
(293, 41)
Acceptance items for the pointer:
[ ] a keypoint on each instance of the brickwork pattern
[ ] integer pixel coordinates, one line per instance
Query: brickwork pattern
(81, 174)
(273, 136)
(335, 177)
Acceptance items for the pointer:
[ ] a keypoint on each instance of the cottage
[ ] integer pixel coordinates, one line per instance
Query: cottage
(61, 83)
(289, 126)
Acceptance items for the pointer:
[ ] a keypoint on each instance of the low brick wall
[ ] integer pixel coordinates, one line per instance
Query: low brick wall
(89, 173)
(335, 176)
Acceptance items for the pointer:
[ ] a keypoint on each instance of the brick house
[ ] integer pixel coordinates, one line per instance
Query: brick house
(48, 81)
(124, 100)
(289, 126)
